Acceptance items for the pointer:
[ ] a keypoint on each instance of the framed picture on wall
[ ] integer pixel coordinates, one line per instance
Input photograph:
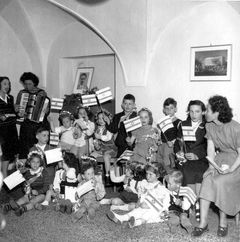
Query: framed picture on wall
(83, 79)
(211, 63)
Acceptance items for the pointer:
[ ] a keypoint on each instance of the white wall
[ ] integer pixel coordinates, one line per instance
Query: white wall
(169, 65)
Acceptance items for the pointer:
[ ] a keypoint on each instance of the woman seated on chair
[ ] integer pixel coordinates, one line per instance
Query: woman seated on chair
(220, 185)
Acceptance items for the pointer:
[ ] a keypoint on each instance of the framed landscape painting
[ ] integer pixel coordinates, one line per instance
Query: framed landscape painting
(211, 63)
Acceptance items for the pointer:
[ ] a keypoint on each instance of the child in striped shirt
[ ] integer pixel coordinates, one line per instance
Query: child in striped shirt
(153, 202)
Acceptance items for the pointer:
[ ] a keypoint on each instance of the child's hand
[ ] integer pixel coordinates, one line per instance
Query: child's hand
(57, 190)
(170, 144)
(106, 119)
(50, 119)
(191, 156)
(178, 202)
(97, 136)
(34, 192)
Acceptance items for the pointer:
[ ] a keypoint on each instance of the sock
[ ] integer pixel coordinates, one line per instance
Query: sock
(105, 201)
(124, 207)
(197, 211)
(107, 175)
(122, 218)
(45, 203)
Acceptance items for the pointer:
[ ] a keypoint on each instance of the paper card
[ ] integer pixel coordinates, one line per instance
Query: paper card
(132, 124)
(104, 95)
(70, 193)
(14, 179)
(214, 164)
(84, 188)
(54, 155)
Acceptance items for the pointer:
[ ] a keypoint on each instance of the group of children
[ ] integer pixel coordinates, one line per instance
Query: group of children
(145, 196)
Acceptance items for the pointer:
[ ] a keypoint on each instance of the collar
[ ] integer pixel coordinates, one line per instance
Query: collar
(37, 172)
(42, 147)
(6, 98)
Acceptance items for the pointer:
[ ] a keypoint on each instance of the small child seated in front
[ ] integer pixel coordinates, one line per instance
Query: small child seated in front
(144, 138)
(88, 202)
(127, 198)
(65, 178)
(154, 200)
(182, 198)
(36, 185)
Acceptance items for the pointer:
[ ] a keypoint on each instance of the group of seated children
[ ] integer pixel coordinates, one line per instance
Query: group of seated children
(144, 197)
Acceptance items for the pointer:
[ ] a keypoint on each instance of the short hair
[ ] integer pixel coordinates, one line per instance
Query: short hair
(177, 176)
(149, 114)
(42, 129)
(129, 97)
(220, 104)
(87, 163)
(71, 160)
(65, 114)
(29, 76)
(5, 78)
(170, 101)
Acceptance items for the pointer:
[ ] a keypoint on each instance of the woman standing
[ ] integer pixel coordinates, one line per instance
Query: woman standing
(221, 187)
(8, 130)
(29, 127)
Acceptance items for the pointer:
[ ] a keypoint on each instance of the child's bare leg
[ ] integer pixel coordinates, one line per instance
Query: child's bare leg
(23, 200)
(107, 162)
(91, 212)
(79, 214)
(34, 201)
(117, 201)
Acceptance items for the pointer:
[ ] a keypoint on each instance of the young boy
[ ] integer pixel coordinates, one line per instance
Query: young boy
(154, 200)
(88, 202)
(42, 136)
(166, 154)
(182, 198)
(117, 127)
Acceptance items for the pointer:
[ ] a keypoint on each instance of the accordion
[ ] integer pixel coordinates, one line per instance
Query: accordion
(33, 106)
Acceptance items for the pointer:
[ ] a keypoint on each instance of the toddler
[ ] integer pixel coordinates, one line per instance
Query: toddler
(182, 198)
(89, 201)
(36, 186)
(152, 204)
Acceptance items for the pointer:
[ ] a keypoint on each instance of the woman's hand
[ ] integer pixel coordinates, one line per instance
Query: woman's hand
(170, 144)
(209, 171)
(129, 140)
(3, 117)
(226, 171)
(191, 156)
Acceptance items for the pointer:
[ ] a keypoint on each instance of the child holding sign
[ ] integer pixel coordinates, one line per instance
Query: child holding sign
(89, 195)
(36, 186)
(145, 139)
(195, 146)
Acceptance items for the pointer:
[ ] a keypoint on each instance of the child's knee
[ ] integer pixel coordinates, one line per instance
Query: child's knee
(117, 201)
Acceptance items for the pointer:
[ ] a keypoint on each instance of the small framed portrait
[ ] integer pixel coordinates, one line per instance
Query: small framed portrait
(211, 63)
(83, 80)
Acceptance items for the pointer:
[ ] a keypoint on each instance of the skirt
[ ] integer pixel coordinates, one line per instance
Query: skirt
(9, 142)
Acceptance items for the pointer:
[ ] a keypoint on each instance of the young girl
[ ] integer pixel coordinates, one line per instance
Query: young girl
(145, 139)
(154, 200)
(195, 151)
(36, 186)
(129, 196)
(104, 143)
(89, 201)
(85, 129)
(64, 177)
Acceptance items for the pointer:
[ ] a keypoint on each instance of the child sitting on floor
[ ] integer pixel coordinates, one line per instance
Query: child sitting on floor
(36, 186)
(145, 139)
(129, 196)
(182, 198)
(154, 200)
(65, 177)
(88, 202)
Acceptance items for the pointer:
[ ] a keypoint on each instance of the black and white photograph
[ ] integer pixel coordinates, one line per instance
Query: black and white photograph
(119, 120)
(211, 63)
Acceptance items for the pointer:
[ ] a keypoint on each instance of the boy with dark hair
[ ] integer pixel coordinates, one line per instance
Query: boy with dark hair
(117, 127)
(42, 135)
(166, 154)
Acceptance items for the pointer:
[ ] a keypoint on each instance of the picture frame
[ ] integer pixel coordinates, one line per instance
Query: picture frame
(211, 63)
(83, 79)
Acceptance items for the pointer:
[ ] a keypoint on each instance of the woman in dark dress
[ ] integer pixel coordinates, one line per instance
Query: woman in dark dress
(195, 151)
(8, 130)
(29, 127)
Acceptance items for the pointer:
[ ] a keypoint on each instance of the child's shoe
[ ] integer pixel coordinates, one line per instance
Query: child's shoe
(62, 208)
(40, 207)
(131, 222)
(91, 214)
(185, 222)
(19, 212)
(69, 208)
(11, 205)
(112, 217)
